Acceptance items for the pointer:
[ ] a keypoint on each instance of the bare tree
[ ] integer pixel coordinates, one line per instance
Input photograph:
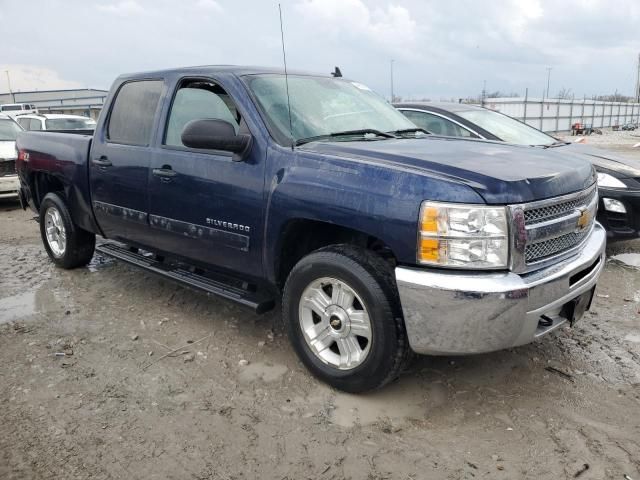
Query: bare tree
(616, 97)
(565, 94)
(499, 94)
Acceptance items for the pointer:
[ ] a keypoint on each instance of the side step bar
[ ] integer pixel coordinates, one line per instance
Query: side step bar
(181, 274)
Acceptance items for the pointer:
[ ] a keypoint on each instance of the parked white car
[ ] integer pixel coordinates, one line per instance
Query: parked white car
(51, 121)
(14, 109)
(9, 183)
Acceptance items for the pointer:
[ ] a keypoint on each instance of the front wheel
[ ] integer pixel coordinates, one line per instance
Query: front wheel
(67, 245)
(344, 319)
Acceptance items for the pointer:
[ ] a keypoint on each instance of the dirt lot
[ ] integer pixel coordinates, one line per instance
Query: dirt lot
(622, 143)
(564, 407)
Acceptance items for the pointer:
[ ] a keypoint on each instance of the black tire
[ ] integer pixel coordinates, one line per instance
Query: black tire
(371, 278)
(79, 245)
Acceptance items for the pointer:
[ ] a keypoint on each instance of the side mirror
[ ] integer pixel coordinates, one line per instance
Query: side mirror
(213, 134)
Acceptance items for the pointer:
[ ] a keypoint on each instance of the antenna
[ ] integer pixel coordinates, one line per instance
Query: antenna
(286, 77)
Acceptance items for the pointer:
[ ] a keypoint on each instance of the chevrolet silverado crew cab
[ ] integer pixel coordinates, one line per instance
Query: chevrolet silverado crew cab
(379, 240)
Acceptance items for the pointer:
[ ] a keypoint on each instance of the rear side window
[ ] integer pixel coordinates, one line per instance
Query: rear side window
(134, 109)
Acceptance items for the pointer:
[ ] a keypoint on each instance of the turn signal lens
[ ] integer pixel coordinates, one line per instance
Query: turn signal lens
(463, 236)
(430, 219)
(429, 249)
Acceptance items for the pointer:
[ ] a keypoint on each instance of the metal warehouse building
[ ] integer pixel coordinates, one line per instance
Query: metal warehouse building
(85, 101)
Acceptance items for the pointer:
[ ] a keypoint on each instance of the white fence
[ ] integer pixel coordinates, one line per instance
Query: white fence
(553, 115)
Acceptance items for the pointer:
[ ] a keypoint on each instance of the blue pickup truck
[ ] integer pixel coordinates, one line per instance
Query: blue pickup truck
(377, 239)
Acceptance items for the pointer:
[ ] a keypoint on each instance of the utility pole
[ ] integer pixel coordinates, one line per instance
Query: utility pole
(548, 81)
(392, 96)
(13, 96)
(484, 92)
(638, 82)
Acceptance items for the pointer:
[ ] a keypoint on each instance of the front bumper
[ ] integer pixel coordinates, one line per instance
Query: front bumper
(620, 225)
(462, 312)
(9, 186)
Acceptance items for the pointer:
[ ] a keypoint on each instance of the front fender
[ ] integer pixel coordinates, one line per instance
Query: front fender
(379, 201)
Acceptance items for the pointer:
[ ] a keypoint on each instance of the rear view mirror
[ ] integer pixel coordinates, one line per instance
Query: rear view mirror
(213, 134)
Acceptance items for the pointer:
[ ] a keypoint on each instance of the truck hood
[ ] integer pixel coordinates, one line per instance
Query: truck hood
(500, 173)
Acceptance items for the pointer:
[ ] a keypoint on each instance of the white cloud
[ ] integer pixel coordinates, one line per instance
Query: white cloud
(210, 5)
(33, 77)
(390, 28)
(123, 8)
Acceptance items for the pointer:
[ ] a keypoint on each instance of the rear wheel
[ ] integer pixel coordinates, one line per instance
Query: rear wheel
(67, 245)
(344, 319)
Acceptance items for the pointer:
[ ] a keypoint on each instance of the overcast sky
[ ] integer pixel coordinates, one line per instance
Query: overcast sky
(441, 49)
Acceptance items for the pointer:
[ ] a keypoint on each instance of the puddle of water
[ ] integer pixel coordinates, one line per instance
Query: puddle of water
(262, 371)
(397, 403)
(635, 338)
(631, 259)
(17, 307)
(99, 262)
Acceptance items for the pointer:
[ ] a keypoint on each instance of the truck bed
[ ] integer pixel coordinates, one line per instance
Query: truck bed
(65, 156)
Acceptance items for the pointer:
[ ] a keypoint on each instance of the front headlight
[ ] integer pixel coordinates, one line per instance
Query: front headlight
(606, 180)
(463, 236)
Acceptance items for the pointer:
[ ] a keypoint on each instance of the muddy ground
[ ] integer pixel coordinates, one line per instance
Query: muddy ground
(567, 406)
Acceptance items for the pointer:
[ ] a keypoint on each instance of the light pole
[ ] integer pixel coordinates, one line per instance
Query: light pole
(13, 97)
(548, 81)
(392, 96)
(484, 92)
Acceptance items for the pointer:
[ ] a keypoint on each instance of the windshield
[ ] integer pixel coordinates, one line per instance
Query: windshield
(11, 108)
(9, 130)
(322, 106)
(70, 124)
(506, 128)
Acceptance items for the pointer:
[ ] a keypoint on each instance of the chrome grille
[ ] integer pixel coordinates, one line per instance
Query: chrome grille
(546, 229)
(7, 167)
(557, 210)
(548, 248)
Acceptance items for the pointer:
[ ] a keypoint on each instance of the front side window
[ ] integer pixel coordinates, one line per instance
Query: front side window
(198, 100)
(133, 112)
(70, 124)
(506, 128)
(322, 106)
(9, 130)
(437, 125)
(35, 124)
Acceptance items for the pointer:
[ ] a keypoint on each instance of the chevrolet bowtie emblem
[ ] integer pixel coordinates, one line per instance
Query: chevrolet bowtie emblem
(584, 219)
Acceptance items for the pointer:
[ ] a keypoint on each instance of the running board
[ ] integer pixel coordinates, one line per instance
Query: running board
(180, 273)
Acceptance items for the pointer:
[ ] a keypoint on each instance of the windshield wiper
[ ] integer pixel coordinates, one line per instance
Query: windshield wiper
(346, 133)
(410, 130)
(559, 143)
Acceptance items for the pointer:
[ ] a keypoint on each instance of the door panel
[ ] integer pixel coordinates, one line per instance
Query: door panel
(210, 208)
(119, 163)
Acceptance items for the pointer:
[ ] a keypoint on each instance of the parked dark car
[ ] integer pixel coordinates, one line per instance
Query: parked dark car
(618, 178)
(376, 238)
(629, 126)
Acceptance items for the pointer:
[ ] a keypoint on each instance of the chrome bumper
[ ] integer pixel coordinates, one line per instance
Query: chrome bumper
(9, 186)
(461, 312)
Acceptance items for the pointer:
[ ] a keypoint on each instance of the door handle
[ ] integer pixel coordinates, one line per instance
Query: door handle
(164, 172)
(102, 161)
